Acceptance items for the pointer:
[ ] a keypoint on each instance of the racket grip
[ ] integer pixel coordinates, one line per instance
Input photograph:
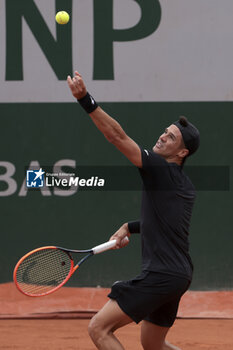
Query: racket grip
(104, 246)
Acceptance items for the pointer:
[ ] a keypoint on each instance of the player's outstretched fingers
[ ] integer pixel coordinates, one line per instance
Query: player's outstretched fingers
(71, 86)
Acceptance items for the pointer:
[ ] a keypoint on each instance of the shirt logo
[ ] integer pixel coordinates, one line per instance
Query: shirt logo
(35, 178)
(147, 153)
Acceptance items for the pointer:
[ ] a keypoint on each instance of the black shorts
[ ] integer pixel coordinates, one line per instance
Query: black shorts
(151, 296)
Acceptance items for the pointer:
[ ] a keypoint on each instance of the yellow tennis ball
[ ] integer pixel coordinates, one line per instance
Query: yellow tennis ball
(62, 17)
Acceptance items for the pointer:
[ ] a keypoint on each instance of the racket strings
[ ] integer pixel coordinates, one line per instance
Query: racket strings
(43, 271)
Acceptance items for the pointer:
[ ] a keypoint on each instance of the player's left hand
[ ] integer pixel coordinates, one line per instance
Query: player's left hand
(77, 86)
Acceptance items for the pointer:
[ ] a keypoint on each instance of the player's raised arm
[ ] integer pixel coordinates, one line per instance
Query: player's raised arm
(110, 128)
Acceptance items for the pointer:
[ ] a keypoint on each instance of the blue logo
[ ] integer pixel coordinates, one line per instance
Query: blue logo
(35, 178)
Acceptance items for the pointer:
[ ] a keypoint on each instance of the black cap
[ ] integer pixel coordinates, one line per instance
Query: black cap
(190, 134)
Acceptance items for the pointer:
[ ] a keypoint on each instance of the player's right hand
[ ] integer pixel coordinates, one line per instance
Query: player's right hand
(121, 236)
(77, 86)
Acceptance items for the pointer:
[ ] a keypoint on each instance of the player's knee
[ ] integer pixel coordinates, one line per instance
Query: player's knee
(95, 330)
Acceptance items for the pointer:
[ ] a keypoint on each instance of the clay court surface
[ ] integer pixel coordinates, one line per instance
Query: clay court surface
(72, 334)
(59, 321)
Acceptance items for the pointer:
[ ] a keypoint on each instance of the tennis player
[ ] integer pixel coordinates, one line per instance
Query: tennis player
(167, 201)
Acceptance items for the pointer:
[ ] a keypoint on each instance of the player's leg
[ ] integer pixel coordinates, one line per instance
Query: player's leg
(153, 336)
(156, 325)
(104, 323)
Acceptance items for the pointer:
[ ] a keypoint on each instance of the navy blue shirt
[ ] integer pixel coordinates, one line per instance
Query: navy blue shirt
(167, 201)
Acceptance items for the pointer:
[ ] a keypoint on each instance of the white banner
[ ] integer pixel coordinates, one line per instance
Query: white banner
(188, 57)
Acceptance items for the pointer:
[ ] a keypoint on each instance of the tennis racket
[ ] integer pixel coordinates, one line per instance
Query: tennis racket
(44, 270)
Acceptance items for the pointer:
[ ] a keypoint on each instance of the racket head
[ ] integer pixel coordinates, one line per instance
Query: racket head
(43, 270)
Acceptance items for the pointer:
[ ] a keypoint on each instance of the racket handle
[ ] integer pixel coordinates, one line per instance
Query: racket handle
(104, 246)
